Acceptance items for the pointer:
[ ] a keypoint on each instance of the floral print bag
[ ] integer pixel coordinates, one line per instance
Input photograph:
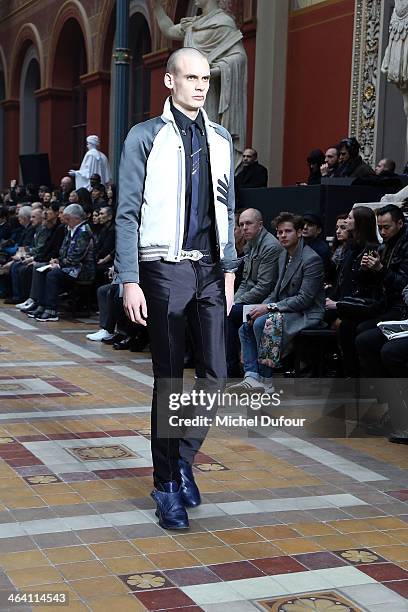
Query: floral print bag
(269, 350)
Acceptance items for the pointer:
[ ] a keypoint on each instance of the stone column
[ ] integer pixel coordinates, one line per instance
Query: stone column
(11, 109)
(270, 85)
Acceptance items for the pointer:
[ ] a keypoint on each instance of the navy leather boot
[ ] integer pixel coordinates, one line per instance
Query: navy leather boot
(170, 507)
(189, 490)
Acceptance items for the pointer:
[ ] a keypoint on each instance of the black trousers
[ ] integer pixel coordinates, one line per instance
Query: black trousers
(382, 358)
(177, 293)
(233, 343)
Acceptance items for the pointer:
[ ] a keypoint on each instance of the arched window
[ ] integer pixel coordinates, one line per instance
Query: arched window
(29, 113)
(139, 103)
(69, 65)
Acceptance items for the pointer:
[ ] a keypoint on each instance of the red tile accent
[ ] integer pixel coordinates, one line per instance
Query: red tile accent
(108, 474)
(399, 586)
(159, 600)
(122, 432)
(24, 462)
(191, 575)
(63, 436)
(320, 560)
(236, 571)
(401, 494)
(278, 565)
(36, 438)
(384, 571)
(93, 434)
(203, 458)
(144, 471)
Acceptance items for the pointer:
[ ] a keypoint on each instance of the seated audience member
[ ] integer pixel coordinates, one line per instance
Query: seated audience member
(47, 197)
(331, 162)
(115, 327)
(42, 190)
(386, 167)
(250, 173)
(22, 237)
(340, 241)
(315, 160)
(354, 281)
(27, 258)
(111, 196)
(296, 303)
(259, 277)
(56, 196)
(53, 234)
(95, 181)
(105, 244)
(351, 162)
(76, 262)
(5, 229)
(98, 197)
(66, 186)
(383, 358)
(240, 241)
(312, 235)
(389, 265)
(36, 205)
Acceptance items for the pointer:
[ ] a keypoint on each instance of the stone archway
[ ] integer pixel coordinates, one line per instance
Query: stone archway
(30, 82)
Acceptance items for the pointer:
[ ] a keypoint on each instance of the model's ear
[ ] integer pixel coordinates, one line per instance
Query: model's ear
(168, 80)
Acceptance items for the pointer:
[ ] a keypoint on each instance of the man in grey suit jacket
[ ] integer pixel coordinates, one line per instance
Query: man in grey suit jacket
(262, 251)
(298, 294)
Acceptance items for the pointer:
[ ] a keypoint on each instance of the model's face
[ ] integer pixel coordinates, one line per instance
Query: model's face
(310, 230)
(341, 230)
(287, 235)
(331, 158)
(387, 227)
(249, 225)
(189, 85)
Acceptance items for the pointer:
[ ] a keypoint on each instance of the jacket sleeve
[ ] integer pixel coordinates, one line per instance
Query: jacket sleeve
(267, 276)
(312, 282)
(229, 262)
(132, 172)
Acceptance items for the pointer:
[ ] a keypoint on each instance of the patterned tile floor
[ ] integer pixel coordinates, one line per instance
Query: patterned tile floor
(286, 524)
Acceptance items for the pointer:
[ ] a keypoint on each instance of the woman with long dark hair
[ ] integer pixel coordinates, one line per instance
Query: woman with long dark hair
(353, 281)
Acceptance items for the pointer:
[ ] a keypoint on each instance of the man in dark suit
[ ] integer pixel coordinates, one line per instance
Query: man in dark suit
(250, 173)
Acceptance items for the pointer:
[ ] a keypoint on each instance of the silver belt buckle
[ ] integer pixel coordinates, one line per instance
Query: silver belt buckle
(194, 255)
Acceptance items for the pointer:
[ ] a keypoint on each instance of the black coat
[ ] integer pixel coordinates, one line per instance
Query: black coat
(252, 176)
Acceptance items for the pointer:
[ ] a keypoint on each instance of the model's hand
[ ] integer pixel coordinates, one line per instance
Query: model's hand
(134, 303)
(229, 290)
(258, 311)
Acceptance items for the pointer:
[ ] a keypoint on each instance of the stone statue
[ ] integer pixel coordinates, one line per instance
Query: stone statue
(395, 62)
(216, 35)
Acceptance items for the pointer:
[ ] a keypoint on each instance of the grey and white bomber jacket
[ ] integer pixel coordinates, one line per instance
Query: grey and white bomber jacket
(151, 206)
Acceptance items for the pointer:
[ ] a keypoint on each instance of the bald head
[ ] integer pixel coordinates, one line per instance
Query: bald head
(251, 223)
(188, 78)
(185, 53)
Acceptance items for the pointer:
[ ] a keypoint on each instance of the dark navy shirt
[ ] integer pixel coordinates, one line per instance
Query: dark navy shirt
(205, 239)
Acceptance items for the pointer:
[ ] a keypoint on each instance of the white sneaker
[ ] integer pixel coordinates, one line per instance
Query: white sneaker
(100, 335)
(247, 385)
(26, 305)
